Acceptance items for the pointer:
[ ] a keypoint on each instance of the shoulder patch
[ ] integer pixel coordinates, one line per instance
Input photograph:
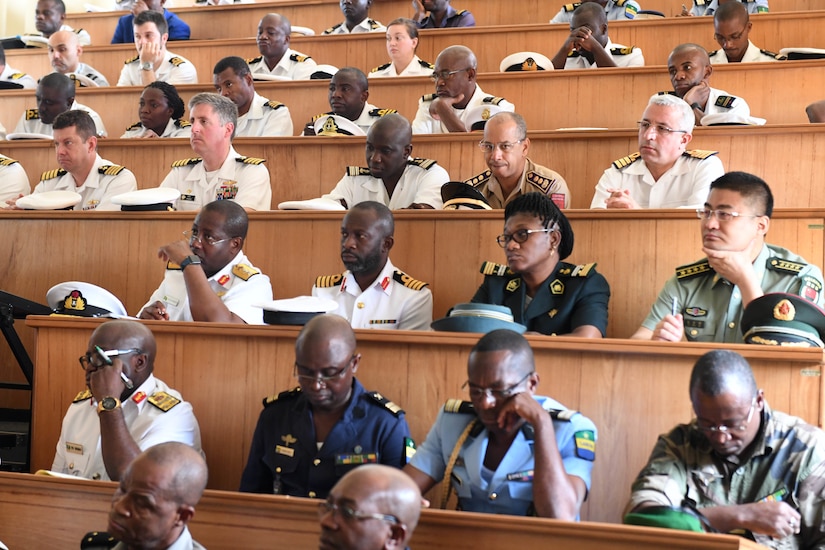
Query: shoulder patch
(699, 153)
(82, 396)
(250, 160)
(163, 400)
(785, 266)
(725, 101)
(274, 105)
(627, 161)
(458, 406)
(177, 61)
(358, 171)
(332, 28)
(381, 67)
(563, 416)
(186, 162)
(110, 170)
(461, 12)
(428, 97)
(381, 112)
(32, 114)
(131, 60)
(426, 164)
(134, 126)
(328, 281)
(244, 271)
(181, 123)
(7, 162)
(692, 270)
(427, 64)
(581, 270)
(476, 181)
(408, 281)
(542, 182)
(492, 268)
(254, 60)
(288, 394)
(17, 76)
(51, 174)
(571, 7)
(777, 56)
(493, 100)
(622, 51)
(373, 23)
(298, 58)
(386, 403)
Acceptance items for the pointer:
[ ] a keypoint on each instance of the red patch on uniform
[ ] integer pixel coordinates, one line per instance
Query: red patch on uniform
(558, 199)
(810, 294)
(385, 283)
(139, 396)
(223, 280)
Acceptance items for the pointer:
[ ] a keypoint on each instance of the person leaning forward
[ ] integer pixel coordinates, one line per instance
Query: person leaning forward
(310, 436)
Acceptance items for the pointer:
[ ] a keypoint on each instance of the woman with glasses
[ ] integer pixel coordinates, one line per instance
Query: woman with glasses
(545, 293)
(160, 110)
(402, 41)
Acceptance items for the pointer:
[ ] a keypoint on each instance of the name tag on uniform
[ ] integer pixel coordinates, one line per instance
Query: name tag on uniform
(75, 448)
(171, 301)
(187, 198)
(526, 475)
(370, 458)
(383, 321)
(281, 450)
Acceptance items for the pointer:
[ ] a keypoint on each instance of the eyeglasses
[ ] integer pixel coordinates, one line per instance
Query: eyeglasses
(97, 361)
(520, 236)
(732, 38)
(721, 215)
(499, 395)
(446, 75)
(209, 239)
(726, 429)
(350, 514)
(660, 129)
(504, 146)
(322, 379)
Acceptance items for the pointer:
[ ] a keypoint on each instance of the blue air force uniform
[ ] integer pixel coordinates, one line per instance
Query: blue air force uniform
(285, 460)
(510, 489)
(572, 296)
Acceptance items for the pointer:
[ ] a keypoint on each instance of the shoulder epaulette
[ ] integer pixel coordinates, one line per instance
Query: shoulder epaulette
(458, 406)
(163, 400)
(571, 7)
(332, 28)
(298, 58)
(381, 67)
(699, 153)
(627, 161)
(581, 270)
(373, 23)
(250, 160)
(131, 60)
(181, 123)
(666, 92)
(565, 415)
(426, 164)
(777, 56)
(327, 281)
(110, 169)
(244, 271)
(386, 403)
(316, 117)
(784, 266)
(492, 268)
(381, 112)
(17, 76)
(725, 101)
(98, 539)
(177, 61)
(51, 174)
(7, 162)
(408, 281)
(492, 99)
(461, 12)
(542, 182)
(254, 60)
(289, 394)
(620, 3)
(186, 162)
(134, 126)
(358, 171)
(32, 114)
(700, 2)
(476, 181)
(714, 52)
(274, 105)
(692, 270)
(82, 396)
(428, 97)
(427, 64)
(622, 51)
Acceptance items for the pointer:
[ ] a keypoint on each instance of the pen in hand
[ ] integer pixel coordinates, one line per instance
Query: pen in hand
(108, 360)
(674, 307)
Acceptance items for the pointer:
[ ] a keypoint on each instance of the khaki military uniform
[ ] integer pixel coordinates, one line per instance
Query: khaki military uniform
(534, 178)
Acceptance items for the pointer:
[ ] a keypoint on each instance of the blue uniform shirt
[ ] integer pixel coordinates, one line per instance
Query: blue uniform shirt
(284, 458)
(125, 31)
(511, 489)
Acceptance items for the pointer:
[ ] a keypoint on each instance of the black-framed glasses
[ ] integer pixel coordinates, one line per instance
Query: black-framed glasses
(660, 129)
(728, 429)
(504, 146)
(520, 235)
(325, 376)
(446, 75)
(97, 361)
(192, 236)
(721, 215)
(352, 514)
(477, 392)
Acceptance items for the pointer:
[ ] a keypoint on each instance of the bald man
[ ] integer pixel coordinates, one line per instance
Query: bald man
(392, 177)
(172, 476)
(742, 464)
(731, 28)
(589, 45)
(64, 55)
(124, 408)
(456, 93)
(310, 436)
(277, 59)
(372, 491)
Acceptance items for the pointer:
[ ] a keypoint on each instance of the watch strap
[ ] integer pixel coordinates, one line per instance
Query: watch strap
(189, 260)
(101, 408)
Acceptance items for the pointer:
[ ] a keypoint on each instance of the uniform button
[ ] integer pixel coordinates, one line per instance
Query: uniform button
(360, 305)
(493, 496)
(71, 466)
(311, 494)
(96, 477)
(694, 332)
(278, 470)
(317, 461)
(731, 324)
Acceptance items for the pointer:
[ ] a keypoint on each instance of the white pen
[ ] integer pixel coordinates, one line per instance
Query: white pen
(674, 307)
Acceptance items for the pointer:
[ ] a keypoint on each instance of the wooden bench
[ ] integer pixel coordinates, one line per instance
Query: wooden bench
(226, 521)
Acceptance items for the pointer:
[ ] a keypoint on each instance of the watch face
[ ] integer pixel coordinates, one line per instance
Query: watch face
(109, 403)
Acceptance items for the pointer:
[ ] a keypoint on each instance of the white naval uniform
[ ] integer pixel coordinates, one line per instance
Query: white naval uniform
(78, 449)
(293, 65)
(13, 75)
(174, 129)
(174, 69)
(426, 124)
(89, 72)
(105, 180)
(2, 132)
(242, 179)
(622, 57)
(752, 55)
(616, 10)
(708, 7)
(367, 25)
(13, 179)
(265, 118)
(417, 67)
(730, 105)
(238, 284)
(369, 115)
(420, 183)
(30, 122)
(83, 37)
(684, 185)
(393, 301)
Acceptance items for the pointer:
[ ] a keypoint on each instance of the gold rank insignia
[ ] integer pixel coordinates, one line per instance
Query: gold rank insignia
(357, 170)
(571, 7)
(427, 64)
(459, 406)
(627, 161)
(408, 281)
(51, 174)
(177, 61)
(492, 268)
(134, 126)
(381, 112)
(250, 160)
(622, 51)
(83, 396)
(787, 266)
(699, 153)
(426, 164)
(493, 100)
(557, 287)
(373, 24)
(542, 182)
(274, 105)
(244, 271)
(692, 270)
(552, 313)
(725, 101)
(386, 403)
(186, 162)
(327, 281)
(163, 400)
(478, 180)
(428, 97)
(110, 170)
(181, 123)
(582, 270)
(513, 285)
(131, 60)
(254, 60)
(299, 58)
(381, 67)
(32, 114)
(7, 162)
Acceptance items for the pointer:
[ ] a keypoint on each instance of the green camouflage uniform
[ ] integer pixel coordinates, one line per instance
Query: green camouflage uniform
(787, 463)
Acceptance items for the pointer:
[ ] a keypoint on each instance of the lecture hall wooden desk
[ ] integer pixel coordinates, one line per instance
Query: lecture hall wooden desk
(228, 520)
(632, 390)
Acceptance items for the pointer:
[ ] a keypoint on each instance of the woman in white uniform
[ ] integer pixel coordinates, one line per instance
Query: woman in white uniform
(402, 41)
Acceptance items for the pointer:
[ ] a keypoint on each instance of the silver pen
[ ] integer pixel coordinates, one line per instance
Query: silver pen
(674, 307)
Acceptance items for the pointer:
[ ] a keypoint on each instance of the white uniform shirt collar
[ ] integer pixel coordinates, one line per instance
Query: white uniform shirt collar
(680, 166)
(225, 172)
(256, 109)
(226, 270)
(382, 283)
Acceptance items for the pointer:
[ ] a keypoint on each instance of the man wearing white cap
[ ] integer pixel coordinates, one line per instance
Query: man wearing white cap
(124, 408)
(208, 277)
(64, 55)
(589, 45)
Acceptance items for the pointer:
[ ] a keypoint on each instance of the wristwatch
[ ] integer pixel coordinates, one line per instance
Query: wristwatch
(108, 404)
(190, 260)
(148, 66)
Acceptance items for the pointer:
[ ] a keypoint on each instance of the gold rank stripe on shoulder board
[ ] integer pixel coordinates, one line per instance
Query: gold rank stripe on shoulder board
(622, 51)
(389, 405)
(181, 123)
(274, 105)
(476, 181)
(82, 396)
(131, 60)
(186, 162)
(428, 97)
(373, 23)
(51, 174)
(163, 400)
(582, 270)
(357, 171)
(565, 415)
(493, 100)
(725, 101)
(252, 60)
(135, 126)
(627, 161)
(299, 58)
(459, 406)
(426, 164)
(250, 160)
(786, 266)
(32, 114)
(382, 112)
(699, 153)
(571, 7)
(244, 271)
(7, 162)
(692, 270)
(492, 268)
(427, 64)
(177, 61)
(381, 67)
(327, 281)
(542, 182)
(408, 281)
(110, 170)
